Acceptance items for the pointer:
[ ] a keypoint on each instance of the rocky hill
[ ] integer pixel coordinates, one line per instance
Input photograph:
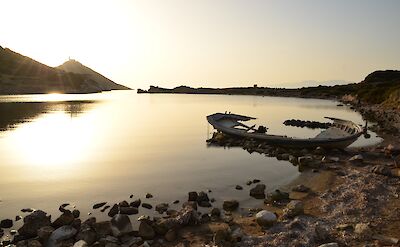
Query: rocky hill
(22, 75)
(78, 68)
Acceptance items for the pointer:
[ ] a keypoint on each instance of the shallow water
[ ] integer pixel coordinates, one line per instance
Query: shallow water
(84, 149)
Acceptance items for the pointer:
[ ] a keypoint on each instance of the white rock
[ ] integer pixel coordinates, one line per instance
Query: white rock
(265, 218)
(357, 157)
(80, 243)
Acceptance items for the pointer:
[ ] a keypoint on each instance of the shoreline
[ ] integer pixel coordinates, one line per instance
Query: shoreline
(316, 224)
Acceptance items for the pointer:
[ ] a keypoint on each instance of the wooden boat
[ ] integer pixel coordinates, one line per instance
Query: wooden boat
(340, 134)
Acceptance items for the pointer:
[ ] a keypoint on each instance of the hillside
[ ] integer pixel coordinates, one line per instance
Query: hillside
(78, 68)
(22, 75)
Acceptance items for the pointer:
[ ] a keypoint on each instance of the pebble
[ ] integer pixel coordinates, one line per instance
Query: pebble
(147, 205)
(148, 195)
(7, 223)
(265, 218)
(238, 187)
(258, 192)
(99, 205)
(136, 203)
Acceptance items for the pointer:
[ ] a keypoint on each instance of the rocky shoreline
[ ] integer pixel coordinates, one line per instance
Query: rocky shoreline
(350, 198)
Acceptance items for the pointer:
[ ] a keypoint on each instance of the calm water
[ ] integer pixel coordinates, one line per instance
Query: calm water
(84, 149)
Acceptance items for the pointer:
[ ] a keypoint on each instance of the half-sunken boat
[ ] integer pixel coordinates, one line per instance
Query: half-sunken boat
(340, 134)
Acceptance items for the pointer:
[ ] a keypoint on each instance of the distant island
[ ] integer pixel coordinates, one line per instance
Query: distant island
(23, 75)
(378, 87)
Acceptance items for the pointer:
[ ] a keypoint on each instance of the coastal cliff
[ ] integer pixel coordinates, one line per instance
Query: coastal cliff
(23, 75)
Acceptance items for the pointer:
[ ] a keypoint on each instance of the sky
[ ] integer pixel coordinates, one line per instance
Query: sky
(209, 43)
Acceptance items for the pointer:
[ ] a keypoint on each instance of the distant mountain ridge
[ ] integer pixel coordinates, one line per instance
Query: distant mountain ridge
(78, 68)
(23, 75)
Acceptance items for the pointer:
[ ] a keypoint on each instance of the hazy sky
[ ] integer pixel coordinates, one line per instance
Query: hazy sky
(213, 43)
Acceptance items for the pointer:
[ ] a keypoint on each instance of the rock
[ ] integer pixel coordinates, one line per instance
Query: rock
(128, 210)
(105, 208)
(357, 158)
(344, 227)
(215, 212)
(129, 241)
(204, 204)
(65, 218)
(170, 236)
(205, 218)
(256, 181)
(192, 196)
(45, 232)
(76, 213)
(120, 225)
(113, 211)
(326, 159)
(301, 188)
(34, 243)
(386, 240)
(249, 182)
(220, 236)
(102, 228)
(176, 202)
(278, 195)
(265, 218)
(162, 207)
(190, 204)
(90, 222)
(123, 204)
(17, 218)
(237, 235)
(363, 230)
(294, 208)
(135, 203)
(33, 222)
(147, 205)
(202, 197)
(258, 192)
(99, 205)
(329, 245)
(238, 187)
(81, 243)
(230, 205)
(1, 233)
(148, 195)
(60, 234)
(88, 235)
(7, 223)
(307, 161)
(27, 210)
(146, 231)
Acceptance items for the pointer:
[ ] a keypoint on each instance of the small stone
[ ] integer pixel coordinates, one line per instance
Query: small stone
(294, 208)
(147, 205)
(363, 230)
(65, 218)
(238, 187)
(301, 188)
(356, 158)
(256, 181)
(105, 208)
(17, 218)
(230, 205)
(329, 245)
(146, 231)
(215, 212)
(265, 218)
(131, 196)
(249, 182)
(76, 213)
(148, 195)
(27, 210)
(128, 210)
(258, 192)
(170, 236)
(202, 196)
(176, 202)
(99, 205)
(7, 223)
(278, 195)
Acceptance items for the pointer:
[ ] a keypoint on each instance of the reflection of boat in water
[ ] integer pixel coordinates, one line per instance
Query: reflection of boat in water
(340, 134)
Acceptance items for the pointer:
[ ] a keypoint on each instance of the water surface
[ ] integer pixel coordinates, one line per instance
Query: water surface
(84, 149)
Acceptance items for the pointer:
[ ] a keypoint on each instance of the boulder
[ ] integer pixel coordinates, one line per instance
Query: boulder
(230, 205)
(265, 218)
(146, 231)
(135, 203)
(7, 223)
(102, 228)
(193, 196)
(33, 222)
(65, 218)
(87, 234)
(258, 192)
(120, 225)
(60, 234)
